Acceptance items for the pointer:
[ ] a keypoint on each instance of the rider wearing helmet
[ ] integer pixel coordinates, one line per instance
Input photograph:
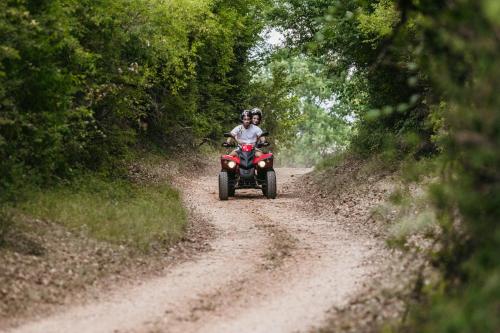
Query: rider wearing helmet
(256, 116)
(246, 133)
(256, 119)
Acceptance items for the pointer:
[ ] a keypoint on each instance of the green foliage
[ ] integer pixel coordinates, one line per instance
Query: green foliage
(380, 21)
(83, 81)
(272, 89)
(376, 81)
(119, 212)
(464, 68)
(301, 112)
(422, 78)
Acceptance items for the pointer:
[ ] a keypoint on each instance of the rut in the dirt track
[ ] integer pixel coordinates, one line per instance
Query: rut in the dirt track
(273, 267)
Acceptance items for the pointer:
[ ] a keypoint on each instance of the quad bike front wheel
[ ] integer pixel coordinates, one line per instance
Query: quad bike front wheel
(232, 185)
(223, 185)
(270, 188)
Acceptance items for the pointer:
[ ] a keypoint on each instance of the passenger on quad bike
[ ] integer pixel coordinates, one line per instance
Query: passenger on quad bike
(246, 133)
(256, 116)
(256, 120)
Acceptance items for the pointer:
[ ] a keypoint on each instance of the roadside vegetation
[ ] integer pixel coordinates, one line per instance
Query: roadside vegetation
(140, 216)
(420, 80)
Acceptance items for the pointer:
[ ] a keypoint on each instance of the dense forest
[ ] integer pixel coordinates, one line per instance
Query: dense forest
(85, 84)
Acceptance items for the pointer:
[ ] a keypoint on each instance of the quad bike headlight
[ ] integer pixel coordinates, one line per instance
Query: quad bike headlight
(231, 164)
(261, 164)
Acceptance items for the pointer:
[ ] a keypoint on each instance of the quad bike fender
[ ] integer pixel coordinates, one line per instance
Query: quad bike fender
(265, 157)
(224, 159)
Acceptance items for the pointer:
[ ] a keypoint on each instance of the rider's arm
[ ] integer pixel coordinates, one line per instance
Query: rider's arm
(233, 132)
(260, 138)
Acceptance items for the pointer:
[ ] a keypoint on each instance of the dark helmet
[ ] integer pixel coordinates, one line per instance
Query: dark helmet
(256, 111)
(245, 113)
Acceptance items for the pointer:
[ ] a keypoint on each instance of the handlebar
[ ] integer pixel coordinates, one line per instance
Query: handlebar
(258, 145)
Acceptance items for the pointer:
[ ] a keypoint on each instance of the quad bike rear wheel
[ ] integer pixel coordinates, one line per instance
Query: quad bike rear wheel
(270, 189)
(223, 185)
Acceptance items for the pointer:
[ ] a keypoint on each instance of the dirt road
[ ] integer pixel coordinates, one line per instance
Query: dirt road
(273, 267)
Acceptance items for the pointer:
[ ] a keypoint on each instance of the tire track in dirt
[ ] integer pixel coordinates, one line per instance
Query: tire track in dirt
(273, 267)
(326, 266)
(321, 267)
(281, 246)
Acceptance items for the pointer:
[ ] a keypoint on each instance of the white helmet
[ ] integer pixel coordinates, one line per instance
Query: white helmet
(256, 111)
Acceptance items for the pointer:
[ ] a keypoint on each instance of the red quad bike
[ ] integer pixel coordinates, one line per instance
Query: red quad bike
(247, 171)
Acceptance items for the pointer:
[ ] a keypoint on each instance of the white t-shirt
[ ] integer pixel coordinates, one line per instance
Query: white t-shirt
(246, 135)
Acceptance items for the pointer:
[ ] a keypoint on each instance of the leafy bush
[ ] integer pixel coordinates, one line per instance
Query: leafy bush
(83, 81)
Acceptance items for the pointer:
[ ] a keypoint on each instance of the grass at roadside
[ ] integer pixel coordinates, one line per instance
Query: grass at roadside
(116, 211)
